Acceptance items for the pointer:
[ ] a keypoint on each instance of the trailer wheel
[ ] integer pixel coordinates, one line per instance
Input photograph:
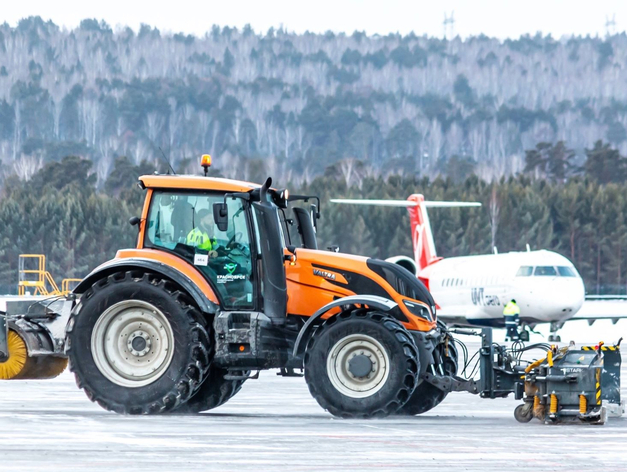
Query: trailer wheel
(361, 364)
(214, 391)
(427, 396)
(137, 345)
(524, 413)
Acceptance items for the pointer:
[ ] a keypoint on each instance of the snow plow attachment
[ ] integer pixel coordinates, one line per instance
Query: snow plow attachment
(567, 385)
(31, 339)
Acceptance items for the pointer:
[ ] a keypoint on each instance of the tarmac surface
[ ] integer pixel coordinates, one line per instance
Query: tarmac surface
(274, 424)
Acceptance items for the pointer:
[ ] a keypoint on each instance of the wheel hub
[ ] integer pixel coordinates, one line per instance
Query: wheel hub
(360, 365)
(132, 343)
(139, 343)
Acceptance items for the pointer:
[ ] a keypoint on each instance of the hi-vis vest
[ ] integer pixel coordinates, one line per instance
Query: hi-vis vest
(201, 240)
(511, 309)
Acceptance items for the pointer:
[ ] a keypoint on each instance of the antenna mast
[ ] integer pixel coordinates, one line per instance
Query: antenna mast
(610, 25)
(448, 25)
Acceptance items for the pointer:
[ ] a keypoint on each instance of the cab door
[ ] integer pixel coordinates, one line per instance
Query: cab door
(271, 247)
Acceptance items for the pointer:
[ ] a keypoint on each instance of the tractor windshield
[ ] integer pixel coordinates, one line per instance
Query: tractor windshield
(183, 223)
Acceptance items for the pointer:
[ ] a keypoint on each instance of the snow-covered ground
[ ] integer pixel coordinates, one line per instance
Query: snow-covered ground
(274, 424)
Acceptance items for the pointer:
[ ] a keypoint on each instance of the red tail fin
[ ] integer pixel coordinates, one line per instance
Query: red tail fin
(422, 237)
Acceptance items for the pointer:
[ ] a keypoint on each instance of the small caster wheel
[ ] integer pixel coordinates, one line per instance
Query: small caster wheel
(524, 413)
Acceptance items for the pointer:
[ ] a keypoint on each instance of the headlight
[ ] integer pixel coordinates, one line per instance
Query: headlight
(418, 310)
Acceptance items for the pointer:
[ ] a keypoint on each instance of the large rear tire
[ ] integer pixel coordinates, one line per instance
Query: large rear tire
(426, 396)
(214, 391)
(361, 364)
(137, 345)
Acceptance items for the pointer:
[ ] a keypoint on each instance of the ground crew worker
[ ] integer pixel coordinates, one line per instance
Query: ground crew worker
(511, 313)
(202, 236)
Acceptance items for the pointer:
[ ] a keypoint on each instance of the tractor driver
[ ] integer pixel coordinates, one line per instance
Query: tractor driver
(202, 236)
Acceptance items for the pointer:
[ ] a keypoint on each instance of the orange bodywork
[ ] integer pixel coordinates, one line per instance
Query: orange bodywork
(307, 291)
(175, 262)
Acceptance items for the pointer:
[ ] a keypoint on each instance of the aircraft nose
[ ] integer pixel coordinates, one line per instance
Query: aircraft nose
(567, 296)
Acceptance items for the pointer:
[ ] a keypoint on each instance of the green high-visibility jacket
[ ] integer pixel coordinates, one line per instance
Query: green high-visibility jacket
(201, 240)
(511, 309)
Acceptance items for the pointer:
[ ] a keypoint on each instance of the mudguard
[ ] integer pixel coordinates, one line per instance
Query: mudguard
(314, 320)
(117, 265)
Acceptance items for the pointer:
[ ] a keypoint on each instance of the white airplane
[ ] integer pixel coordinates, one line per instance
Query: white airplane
(472, 290)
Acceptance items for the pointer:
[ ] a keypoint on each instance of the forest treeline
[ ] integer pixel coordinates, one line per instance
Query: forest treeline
(407, 105)
(578, 211)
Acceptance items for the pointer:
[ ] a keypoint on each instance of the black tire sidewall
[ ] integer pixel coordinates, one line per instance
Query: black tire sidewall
(427, 396)
(115, 396)
(385, 401)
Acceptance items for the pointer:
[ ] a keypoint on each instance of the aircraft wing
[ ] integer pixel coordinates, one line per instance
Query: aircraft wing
(596, 308)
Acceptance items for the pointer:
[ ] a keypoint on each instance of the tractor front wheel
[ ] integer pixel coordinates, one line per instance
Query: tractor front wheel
(361, 364)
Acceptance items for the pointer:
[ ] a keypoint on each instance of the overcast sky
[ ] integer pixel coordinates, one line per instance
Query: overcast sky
(499, 18)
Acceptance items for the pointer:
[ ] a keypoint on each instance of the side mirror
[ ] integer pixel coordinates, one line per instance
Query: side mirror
(221, 216)
(314, 215)
(134, 221)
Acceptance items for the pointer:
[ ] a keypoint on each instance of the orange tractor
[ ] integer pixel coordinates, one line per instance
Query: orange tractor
(226, 280)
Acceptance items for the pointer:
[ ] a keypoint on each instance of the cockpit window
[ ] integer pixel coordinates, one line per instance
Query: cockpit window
(545, 271)
(524, 271)
(566, 271)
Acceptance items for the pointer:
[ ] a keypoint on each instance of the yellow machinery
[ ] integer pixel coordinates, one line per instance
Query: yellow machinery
(34, 279)
(31, 326)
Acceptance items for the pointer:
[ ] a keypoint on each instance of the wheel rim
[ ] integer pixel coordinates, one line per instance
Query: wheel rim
(132, 343)
(347, 361)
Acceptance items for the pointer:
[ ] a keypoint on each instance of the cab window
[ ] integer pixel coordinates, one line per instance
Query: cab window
(184, 224)
(524, 271)
(565, 271)
(545, 271)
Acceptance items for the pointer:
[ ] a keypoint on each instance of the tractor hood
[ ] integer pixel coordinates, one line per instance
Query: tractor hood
(345, 274)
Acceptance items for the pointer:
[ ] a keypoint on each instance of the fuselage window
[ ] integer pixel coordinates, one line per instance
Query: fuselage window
(566, 271)
(524, 271)
(545, 271)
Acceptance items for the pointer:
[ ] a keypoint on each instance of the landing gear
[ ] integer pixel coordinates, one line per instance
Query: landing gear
(554, 337)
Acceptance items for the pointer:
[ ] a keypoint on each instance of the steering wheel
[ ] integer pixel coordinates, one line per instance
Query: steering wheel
(236, 238)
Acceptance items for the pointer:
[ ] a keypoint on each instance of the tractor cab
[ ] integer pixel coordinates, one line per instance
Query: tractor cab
(231, 238)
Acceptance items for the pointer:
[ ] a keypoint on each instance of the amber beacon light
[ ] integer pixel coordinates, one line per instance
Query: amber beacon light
(205, 162)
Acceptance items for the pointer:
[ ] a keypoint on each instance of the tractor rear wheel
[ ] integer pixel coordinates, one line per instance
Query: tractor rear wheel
(137, 345)
(214, 391)
(361, 364)
(426, 396)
